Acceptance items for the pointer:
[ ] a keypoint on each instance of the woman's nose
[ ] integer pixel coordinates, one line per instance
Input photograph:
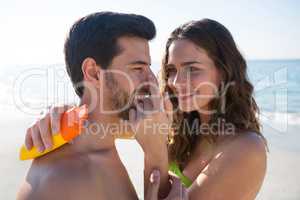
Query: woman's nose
(178, 81)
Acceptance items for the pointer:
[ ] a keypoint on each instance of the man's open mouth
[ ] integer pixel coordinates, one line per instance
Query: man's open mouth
(143, 93)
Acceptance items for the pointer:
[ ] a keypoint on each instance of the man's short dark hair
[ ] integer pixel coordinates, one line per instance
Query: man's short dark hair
(96, 35)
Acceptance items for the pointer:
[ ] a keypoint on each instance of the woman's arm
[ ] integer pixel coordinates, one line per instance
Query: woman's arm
(159, 161)
(152, 125)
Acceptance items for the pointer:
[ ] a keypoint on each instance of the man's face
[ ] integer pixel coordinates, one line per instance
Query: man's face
(128, 76)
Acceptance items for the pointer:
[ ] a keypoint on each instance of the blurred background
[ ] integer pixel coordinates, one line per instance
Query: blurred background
(32, 74)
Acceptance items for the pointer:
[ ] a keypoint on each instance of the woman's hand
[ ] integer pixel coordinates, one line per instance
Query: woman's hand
(152, 192)
(149, 122)
(150, 126)
(40, 133)
(178, 192)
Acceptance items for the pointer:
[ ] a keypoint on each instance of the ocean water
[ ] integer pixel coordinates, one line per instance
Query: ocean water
(25, 90)
(277, 84)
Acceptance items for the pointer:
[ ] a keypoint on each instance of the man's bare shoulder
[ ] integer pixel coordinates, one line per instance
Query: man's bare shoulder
(66, 178)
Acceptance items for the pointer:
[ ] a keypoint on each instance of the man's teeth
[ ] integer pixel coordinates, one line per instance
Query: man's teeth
(144, 95)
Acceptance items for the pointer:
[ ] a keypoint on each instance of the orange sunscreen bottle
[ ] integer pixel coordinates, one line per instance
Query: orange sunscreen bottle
(71, 125)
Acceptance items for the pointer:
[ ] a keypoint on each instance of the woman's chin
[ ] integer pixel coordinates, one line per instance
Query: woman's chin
(186, 107)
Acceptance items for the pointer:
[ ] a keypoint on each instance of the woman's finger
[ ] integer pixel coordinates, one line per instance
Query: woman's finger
(55, 116)
(55, 120)
(148, 107)
(139, 111)
(155, 97)
(178, 191)
(36, 138)
(28, 139)
(153, 187)
(154, 91)
(132, 115)
(45, 131)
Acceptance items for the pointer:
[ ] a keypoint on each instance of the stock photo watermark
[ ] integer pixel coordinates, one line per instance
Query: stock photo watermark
(59, 90)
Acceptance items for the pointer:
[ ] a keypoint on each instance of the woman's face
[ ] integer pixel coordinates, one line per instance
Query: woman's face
(192, 76)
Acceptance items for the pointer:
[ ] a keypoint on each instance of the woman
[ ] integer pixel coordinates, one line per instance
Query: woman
(216, 139)
(205, 75)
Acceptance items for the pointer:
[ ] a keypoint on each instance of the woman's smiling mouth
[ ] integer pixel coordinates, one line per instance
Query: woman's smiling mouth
(185, 97)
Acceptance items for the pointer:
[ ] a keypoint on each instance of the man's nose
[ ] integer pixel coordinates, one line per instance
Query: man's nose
(150, 76)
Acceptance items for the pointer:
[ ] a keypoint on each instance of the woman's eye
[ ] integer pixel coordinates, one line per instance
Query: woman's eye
(171, 71)
(192, 69)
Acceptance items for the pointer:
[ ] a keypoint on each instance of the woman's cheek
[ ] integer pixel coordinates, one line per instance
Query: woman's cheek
(204, 92)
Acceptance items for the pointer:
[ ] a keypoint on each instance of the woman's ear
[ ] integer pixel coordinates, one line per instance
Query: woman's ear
(91, 71)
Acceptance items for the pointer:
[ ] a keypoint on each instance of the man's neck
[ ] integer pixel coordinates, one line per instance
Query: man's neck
(96, 135)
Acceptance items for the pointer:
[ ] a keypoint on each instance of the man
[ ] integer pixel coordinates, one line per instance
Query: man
(107, 58)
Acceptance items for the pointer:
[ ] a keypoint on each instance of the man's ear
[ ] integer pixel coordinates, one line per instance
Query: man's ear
(91, 71)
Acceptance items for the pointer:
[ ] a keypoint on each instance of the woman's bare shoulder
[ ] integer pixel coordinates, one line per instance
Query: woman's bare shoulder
(244, 142)
(236, 170)
(244, 152)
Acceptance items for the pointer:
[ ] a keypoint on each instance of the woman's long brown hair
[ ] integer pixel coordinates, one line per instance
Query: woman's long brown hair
(235, 105)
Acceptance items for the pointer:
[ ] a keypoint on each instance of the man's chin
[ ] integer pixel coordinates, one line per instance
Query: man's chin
(125, 135)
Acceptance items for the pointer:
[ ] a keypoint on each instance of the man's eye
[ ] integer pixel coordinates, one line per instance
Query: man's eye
(138, 68)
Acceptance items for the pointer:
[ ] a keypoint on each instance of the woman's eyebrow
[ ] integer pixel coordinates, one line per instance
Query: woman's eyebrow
(190, 63)
(183, 64)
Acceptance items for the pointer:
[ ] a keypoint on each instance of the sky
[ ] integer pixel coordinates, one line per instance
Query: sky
(33, 32)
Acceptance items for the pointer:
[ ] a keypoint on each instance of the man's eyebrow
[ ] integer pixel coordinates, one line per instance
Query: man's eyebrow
(139, 62)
